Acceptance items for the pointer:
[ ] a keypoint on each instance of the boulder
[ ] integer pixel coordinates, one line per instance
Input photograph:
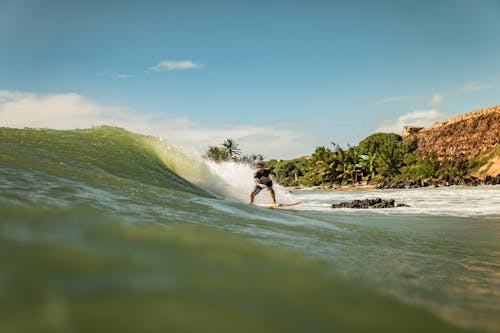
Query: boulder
(369, 203)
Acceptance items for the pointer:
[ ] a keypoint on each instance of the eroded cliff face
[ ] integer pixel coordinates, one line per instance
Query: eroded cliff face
(461, 137)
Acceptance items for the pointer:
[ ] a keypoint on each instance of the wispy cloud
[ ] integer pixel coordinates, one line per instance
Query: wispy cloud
(70, 111)
(114, 75)
(393, 99)
(436, 99)
(169, 65)
(474, 86)
(421, 118)
(121, 76)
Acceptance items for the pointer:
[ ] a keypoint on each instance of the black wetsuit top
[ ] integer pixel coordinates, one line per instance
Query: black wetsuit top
(263, 177)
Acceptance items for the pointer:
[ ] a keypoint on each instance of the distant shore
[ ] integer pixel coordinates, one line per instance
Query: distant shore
(410, 184)
(360, 187)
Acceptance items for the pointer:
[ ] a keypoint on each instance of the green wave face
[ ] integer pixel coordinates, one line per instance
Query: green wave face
(100, 233)
(98, 157)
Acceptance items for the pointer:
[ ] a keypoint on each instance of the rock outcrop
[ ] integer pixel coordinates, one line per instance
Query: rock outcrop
(463, 136)
(410, 132)
(369, 203)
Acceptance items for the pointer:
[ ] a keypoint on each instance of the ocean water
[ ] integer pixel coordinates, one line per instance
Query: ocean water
(103, 230)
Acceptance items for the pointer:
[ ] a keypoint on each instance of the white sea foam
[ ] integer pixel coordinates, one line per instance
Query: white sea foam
(239, 180)
(451, 201)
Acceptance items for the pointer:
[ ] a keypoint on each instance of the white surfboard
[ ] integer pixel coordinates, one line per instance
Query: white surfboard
(278, 205)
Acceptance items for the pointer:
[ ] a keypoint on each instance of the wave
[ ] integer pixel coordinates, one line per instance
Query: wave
(90, 155)
(102, 220)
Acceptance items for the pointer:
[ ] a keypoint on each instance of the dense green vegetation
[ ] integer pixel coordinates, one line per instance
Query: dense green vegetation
(381, 157)
(378, 158)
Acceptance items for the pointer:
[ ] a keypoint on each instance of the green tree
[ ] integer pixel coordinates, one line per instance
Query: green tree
(232, 148)
(216, 154)
(426, 167)
(385, 153)
(253, 158)
(325, 165)
(390, 160)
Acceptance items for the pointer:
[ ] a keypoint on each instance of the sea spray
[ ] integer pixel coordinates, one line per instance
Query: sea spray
(187, 164)
(229, 179)
(239, 177)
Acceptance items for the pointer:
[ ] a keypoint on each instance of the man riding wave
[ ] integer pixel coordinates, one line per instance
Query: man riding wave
(262, 179)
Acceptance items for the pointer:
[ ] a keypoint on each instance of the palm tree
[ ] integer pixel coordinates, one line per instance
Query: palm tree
(216, 154)
(232, 148)
(389, 161)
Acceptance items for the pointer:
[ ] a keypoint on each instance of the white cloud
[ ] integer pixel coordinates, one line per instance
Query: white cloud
(474, 86)
(70, 111)
(436, 99)
(422, 118)
(169, 65)
(114, 75)
(393, 99)
(59, 111)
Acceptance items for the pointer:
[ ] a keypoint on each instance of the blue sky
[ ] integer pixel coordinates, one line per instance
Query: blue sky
(280, 77)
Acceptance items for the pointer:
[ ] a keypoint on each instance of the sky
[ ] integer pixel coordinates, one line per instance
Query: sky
(278, 77)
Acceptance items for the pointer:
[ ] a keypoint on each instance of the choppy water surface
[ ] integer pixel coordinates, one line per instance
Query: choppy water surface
(440, 201)
(104, 230)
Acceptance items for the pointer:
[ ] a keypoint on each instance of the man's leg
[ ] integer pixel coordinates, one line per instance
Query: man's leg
(273, 195)
(254, 193)
(252, 196)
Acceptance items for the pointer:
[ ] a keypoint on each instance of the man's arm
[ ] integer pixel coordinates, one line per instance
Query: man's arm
(256, 179)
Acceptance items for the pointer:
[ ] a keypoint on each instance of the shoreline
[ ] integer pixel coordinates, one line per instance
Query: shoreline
(467, 182)
(365, 187)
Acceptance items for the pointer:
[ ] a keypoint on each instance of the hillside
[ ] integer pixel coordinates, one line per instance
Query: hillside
(470, 135)
(463, 136)
(490, 164)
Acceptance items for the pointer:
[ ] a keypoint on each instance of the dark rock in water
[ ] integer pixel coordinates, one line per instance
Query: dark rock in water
(369, 203)
(489, 180)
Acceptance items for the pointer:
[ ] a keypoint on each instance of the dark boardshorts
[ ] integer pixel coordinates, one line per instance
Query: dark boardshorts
(259, 188)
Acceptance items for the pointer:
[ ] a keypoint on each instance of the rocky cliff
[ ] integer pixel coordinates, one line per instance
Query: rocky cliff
(465, 136)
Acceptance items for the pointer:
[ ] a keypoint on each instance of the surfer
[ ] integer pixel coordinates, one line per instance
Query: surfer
(262, 179)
